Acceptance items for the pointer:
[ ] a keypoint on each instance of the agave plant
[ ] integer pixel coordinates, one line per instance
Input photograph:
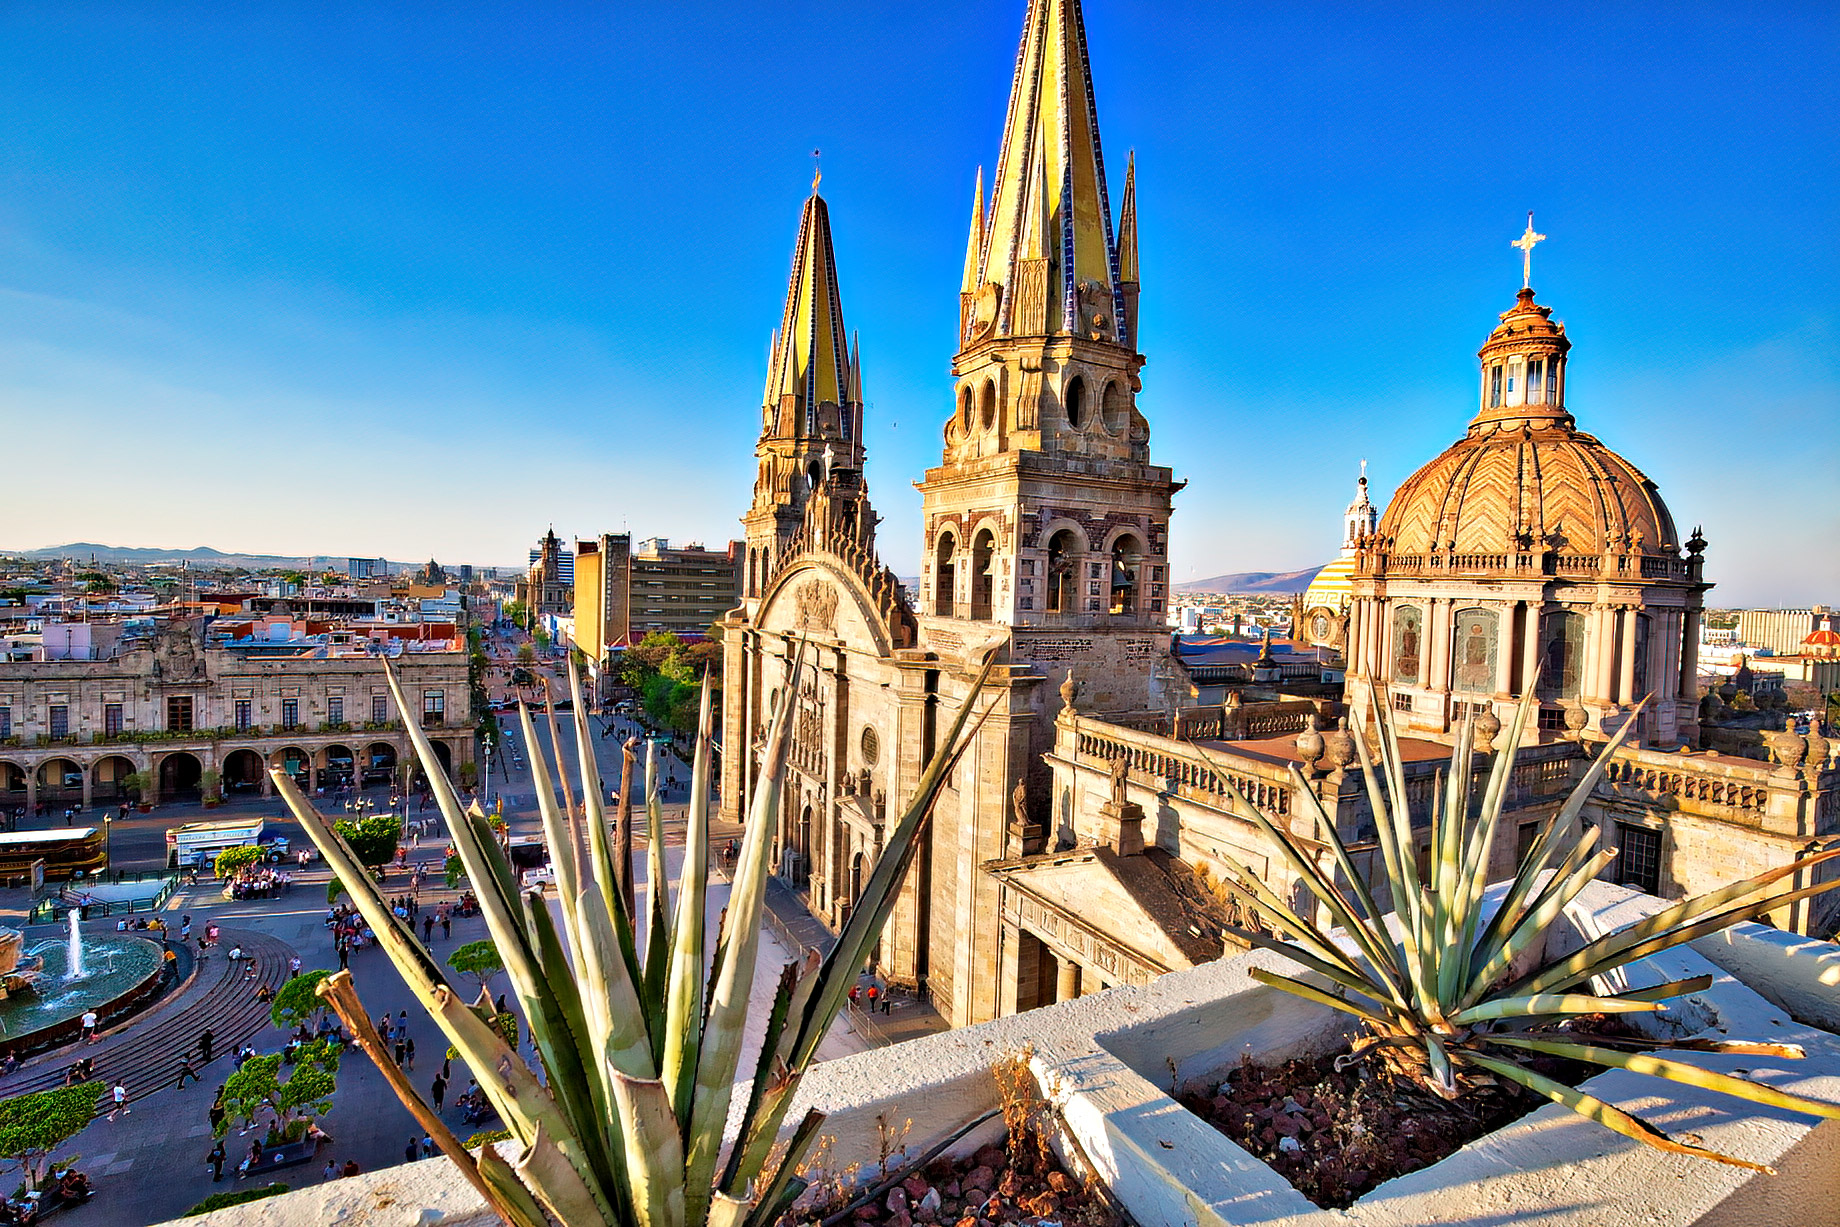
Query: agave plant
(636, 1023)
(1441, 983)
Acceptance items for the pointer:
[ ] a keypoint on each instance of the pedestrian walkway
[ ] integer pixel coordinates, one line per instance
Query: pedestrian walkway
(142, 1051)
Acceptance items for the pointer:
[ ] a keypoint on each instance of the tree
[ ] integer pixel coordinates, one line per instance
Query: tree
(299, 1002)
(230, 860)
(96, 581)
(526, 654)
(479, 960)
(32, 1127)
(257, 1088)
(138, 783)
(373, 840)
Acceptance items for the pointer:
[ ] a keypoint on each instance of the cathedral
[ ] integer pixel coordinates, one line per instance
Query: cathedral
(1078, 843)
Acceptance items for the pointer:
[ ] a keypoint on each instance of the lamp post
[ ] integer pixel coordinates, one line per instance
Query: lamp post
(108, 836)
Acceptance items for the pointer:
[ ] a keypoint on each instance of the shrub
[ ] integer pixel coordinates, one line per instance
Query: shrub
(223, 1201)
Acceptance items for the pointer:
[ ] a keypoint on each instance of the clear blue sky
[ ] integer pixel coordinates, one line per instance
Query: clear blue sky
(421, 279)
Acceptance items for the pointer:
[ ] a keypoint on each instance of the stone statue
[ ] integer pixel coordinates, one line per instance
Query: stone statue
(1019, 803)
(1118, 771)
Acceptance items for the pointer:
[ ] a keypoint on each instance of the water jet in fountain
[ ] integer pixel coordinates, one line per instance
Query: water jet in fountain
(73, 959)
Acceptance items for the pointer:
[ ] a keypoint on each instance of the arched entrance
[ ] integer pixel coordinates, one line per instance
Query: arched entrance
(243, 771)
(802, 846)
(179, 776)
(379, 763)
(296, 764)
(445, 753)
(106, 780)
(60, 782)
(339, 770)
(12, 782)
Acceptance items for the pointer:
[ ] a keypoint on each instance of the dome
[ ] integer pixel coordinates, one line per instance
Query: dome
(1524, 477)
(1526, 485)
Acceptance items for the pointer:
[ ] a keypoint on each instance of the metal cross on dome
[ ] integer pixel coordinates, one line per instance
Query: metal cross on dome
(1525, 243)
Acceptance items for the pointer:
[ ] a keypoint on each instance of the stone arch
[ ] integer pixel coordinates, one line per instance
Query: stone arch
(1115, 407)
(338, 766)
(1126, 550)
(987, 406)
(1066, 555)
(445, 754)
(243, 771)
(179, 774)
(1074, 401)
(983, 574)
(945, 573)
(12, 781)
(379, 764)
(296, 762)
(60, 781)
(106, 777)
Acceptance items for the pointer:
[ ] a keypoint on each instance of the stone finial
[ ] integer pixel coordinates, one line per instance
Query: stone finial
(1309, 746)
(1576, 717)
(1338, 746)
(1488, 728)
(1788, 747)
(1069, 689)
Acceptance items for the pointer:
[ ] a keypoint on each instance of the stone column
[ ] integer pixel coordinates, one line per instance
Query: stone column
(1436, 644)
(1688, 644)
(89, 782)
(31, 770)
(1626, 683)
(1603, 639)
(1505, 647)
(1066, 978)
(1530, 648)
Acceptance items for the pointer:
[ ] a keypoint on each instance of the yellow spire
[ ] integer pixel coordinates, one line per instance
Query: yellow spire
(1048, 197)
(812, 365)
(1127, 222)
(974, 246)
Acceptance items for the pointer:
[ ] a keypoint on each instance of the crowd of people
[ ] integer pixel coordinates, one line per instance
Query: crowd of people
(258, 882)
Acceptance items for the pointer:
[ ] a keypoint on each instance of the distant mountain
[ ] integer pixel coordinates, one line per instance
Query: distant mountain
(1247, 583)
(203, 555)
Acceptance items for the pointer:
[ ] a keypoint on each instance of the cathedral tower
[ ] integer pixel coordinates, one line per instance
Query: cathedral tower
(1045, 519)
(811, 410)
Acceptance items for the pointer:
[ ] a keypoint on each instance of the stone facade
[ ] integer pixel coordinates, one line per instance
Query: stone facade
(174, 707)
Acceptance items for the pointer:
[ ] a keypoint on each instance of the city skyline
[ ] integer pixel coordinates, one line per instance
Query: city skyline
(455, 308)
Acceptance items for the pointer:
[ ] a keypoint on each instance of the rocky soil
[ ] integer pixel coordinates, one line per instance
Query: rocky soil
(986, 1188)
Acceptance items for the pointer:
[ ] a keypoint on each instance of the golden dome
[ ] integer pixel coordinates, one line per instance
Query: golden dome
(1523, 477)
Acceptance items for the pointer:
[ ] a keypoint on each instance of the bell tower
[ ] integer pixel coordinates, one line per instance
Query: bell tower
(811, 412)
(1045, 515)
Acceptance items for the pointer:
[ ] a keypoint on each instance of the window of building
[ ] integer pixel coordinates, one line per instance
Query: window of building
(245, 715)
(1552, 384)
(1561, 655)
(1127, 552)
(1535, 371)
(335, 710)
(380, 708)
(1638, 858)
(1473, 656)
(983, 575)
(1063, 571)
(945, 577)
(1402, 702)
(1552, 719)
(111, 719)
(178, 713)
(434, 708)
(1524, 835)
(6, 722)
(1640, 660)
(290, 713)
(1494, 387)
(1408, 640)
(60, 720)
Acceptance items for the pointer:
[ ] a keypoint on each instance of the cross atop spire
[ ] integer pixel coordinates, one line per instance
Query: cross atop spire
(1525, 243)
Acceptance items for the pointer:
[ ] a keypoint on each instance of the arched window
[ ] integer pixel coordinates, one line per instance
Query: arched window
(1127, 552)
(1116, 407)
(1472, 661)
(1561, 655)
(1063, 571)
(983, 578)
(1536, 380)
(1408, 644)
(1642, 684)
(987, 416)
(1075, 402)
(964, 410)
(944, 576)
(1495, 387)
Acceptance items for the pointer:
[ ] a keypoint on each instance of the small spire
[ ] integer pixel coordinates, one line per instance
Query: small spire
(974, 246)
(817, 170)
(1127, 222)
(813, 347)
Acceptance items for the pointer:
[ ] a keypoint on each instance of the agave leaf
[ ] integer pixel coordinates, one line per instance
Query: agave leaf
(654, 1151)
(1371, 934)
(1442, 1078)
(1312, 940)
(1392, 856)
(1550, 1003)
(763, 1080)
(599, 857)
(1474, 879)
(623, 848)
(1309, 992)
(518, 1206)
(1578, 870)
(1592, 1108)
(726, 1211)
(657, 901)
(1575, 966)
(1363, 984)
(626, 1044)
(683, 1018)
(880, 893)
(552, 1170)
(772, 1201)
(734, 980)
(1676, 1071)
(1668, 991)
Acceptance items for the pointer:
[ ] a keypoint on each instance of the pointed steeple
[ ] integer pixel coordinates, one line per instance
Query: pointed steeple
(809, 381)
(974, 246)
(1048, 244)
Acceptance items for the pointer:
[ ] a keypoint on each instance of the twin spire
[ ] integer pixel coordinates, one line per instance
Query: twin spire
(814, 383)
(1043, 258)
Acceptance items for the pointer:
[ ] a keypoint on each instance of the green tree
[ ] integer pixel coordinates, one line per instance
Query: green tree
(526, 654)
(257, 1088)
(515, 612)
(96, 581)
(223, 1201)
(299, 1001)
(14, 596)
(452, 871)
(32, 1127)
(232, 859)
(479, 960)
(373, 840)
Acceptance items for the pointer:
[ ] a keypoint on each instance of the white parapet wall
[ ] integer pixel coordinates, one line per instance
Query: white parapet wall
(1113, 1060)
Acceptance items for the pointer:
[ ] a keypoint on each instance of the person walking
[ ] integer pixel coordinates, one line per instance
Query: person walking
(89, 1026)
(294, 967)
(351, 1168)
(186, 1071)
(409, 1053)
(412, 1151)
(401, 1043)
(439, 1089)
(120, 1094)
(330, 1171)
(427, 1147)
(205, 1040)
(216, 1160)
(447, 924)
(427, 928)
(344, 956)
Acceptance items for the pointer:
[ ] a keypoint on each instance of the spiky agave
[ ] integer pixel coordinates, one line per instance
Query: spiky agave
(1439, 984)
(638, 1042)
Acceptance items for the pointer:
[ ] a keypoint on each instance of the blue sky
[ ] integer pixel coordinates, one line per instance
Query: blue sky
(423, 279)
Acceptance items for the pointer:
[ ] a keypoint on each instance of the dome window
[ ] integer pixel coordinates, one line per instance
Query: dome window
(1535, 381)
(1495, 387)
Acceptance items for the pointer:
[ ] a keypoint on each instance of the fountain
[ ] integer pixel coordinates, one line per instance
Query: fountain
(17, 971)
(73, 950)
